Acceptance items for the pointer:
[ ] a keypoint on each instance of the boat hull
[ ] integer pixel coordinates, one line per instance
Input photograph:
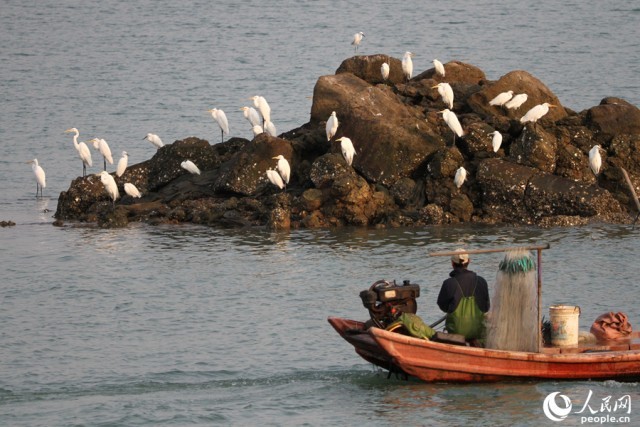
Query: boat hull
(436, 362)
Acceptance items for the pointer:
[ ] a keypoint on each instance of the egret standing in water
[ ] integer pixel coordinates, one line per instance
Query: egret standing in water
(154, 139)
(332, 125)
(446, 93)
(263, 107)
(346, 146)
(102, 146)
(496, 142)
(595, 161)
(357, 38)
(501, 98)
(132, 190)
(439, 67)
(452, 121)
(275, 178)
(384, 70)
(83, 151)
(110, 185)
(40, 176)
(536, 113)
(122, 164)
(283, 168)
(461, 176)
(515, 102)
(190, 167)
(221, 118)
(407, 65)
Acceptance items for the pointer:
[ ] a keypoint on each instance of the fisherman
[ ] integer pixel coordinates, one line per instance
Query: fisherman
(465, 298)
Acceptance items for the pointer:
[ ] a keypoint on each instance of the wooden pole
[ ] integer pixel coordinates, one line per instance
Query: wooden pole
(486, 251)
(633, 191)
(539, 300)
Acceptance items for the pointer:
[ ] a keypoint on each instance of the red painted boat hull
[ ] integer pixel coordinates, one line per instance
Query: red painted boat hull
(439, 362)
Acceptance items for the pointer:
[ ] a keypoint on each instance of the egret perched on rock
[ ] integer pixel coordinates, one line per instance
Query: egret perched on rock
(189, 166)
(102, 146)
(384, 70)
(407, 65)
(41, 182)
(332, 125)
(110, 185)
(346, 146)
(275, 178)
(461, 176)
(122, 164)
(252, 116)
(263, 107)
(132, 190)
(357, 38)
(446, 93)
(496, 142)
(83, 150)
(439, 67)
(452, 121)
(221, 118)
(283, 168)
(595, 161)
(154, 139)
(502, 98)
(536, 113)
(270, 128)
(515, 102)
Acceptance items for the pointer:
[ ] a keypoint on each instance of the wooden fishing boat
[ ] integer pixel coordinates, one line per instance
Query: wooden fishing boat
(434, 361)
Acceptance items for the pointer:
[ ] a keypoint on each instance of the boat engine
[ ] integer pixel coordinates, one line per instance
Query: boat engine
(387, 300)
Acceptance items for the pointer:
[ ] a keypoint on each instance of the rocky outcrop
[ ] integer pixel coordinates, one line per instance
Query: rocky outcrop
(406, 158)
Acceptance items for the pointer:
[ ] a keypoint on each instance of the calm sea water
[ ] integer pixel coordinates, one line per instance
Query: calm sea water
(186, 325)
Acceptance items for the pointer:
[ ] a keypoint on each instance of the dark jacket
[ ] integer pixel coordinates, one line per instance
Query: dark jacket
(450, 294)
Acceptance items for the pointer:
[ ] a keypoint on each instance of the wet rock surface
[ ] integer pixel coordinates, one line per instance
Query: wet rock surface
(406, 159)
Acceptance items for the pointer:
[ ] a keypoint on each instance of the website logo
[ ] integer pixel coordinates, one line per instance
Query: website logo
(608, 410)
(553, 411)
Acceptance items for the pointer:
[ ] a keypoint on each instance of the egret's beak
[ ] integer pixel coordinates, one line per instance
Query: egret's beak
(68, 130)
(434, 87)
(441, 112)
(552, 106)
(144, 138)
(274, 158)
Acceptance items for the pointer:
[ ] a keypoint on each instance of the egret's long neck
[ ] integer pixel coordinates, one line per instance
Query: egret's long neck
(75, 138)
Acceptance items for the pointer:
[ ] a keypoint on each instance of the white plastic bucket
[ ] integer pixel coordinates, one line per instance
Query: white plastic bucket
(564, 325)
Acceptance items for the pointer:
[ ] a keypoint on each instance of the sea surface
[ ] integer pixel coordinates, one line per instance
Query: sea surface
(187, 325)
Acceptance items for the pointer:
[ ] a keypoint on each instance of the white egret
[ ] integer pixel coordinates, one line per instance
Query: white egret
(110, 185)
(275, 178)
(446, 93)
(452, 121)
(407, 65)
(357, 38)
(536, 113)
(595, 161)
(516, 101)
(346, 146)
(252, 116)
(332, 125)
(270, 128)
(189, 166)
(221, 118)
(502, 98)
(83, 151)
(132, 190)
(283, 168)
(384, 70)
(439, 67)
(102, 146)
(257, 130)
(263, 107)
(122, 164)
(154, 139)
(496, 142)
(41, 182)
(461, 176)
